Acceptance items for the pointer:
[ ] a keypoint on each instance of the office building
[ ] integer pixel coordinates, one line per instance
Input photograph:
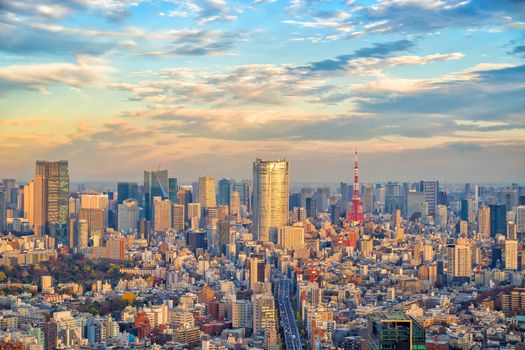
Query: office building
(242, 314)
(459, 263)
(512, 232)
(520, 218)
(270, 197)
(194, 214)
(346, 194)
(368, 198)
(294, 200)
(95, 218)
(511, 254)
(206, 194)
(292, 237)
(82, 235)
(51, 199)
(484, 222)
(177, 217)
(498, 219)
(184, 197)
(10, 190)
(335, 213)
(441, 216)
(96, 201)
(128, 215)
(430, 189)
(235, 207)
(161, 214)
(465, 209)
(29, 201)
(173, 189)
(127, 190)
(322, 196)
(394, 199)
(395, 332)
(311, 207)
(225, 190)
(46, 282)
(415, 202)
(155, 185)
(264, 315)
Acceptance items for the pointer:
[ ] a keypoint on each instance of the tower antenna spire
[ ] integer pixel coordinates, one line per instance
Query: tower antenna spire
(355, 214)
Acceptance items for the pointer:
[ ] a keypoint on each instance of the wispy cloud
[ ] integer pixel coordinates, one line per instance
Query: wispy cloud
(86, 71)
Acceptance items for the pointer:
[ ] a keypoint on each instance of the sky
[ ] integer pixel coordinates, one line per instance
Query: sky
(424, 89)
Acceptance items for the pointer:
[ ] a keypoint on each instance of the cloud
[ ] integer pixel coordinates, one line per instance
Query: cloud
(58, 9)
(476, 94)
(86, 71)
(378, 50)
(519, 50)
(203, 11)
(417, 16)
(465, 147)
(195, 42)
(29, 35)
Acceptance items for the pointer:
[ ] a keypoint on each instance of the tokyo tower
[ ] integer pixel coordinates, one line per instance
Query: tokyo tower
(355, 214)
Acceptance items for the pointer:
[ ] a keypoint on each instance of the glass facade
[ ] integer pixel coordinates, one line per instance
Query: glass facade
(270, 197)
(155, 185)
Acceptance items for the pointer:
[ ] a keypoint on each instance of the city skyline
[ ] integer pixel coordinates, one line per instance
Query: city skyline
(424, 89)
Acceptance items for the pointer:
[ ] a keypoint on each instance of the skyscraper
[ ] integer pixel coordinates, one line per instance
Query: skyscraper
(225, 189)
(484, 222)
(264, 315)
(52, 199)
(96, 201)
(82, 235)
(292, 237)
(161, 214)
(394, 199)
(29, 202)
(270, 197)
(127, 190)
(430, 189)
(9, 189)
(511, 254)
(346, 194)
(459, 262)
(368, 198)
(441, 216)
(206, 195)
(235, 208)
(498, 219)
(173, 188)
(155, 185)
(465, 209)
(520, 218)
(177, 217)
(128, 215)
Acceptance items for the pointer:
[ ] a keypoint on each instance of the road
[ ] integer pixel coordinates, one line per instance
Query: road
(292, 338)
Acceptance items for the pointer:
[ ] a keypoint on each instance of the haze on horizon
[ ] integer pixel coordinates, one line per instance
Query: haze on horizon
(426, 89)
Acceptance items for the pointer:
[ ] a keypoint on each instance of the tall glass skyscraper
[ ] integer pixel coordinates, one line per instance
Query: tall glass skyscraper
(52, 199)
(498, 219)
(270, 197)
(225, 190)
(206, 193)
(173, 188)
(155, 185)
(127, 190)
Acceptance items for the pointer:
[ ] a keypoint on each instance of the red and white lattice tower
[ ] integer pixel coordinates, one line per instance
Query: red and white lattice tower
(355, 214)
